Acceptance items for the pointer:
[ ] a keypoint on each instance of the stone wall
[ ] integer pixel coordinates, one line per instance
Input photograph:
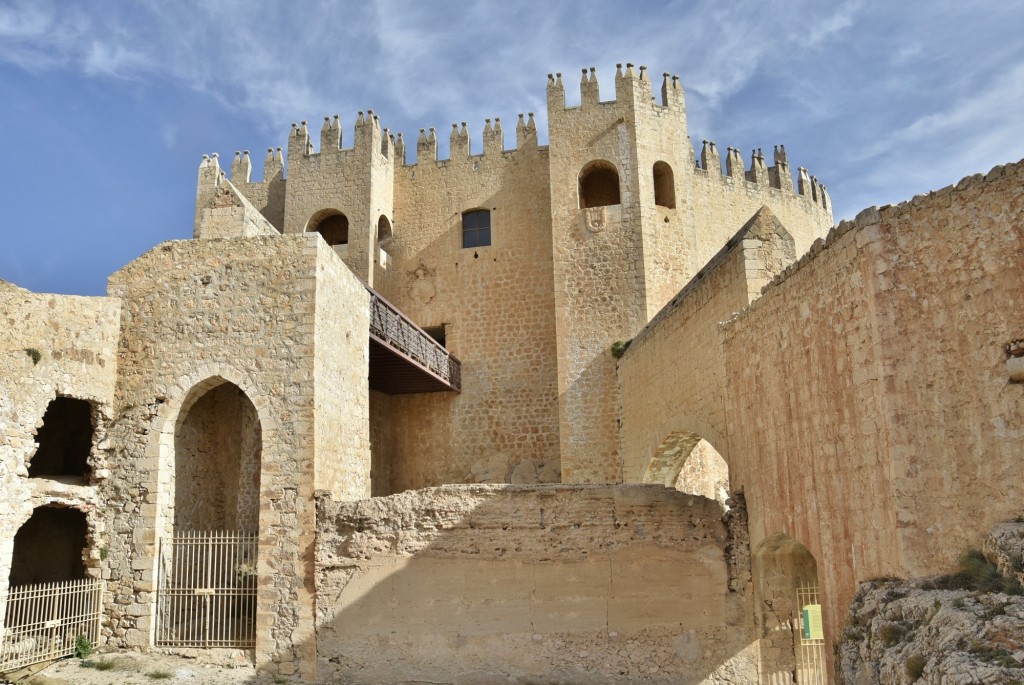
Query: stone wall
(865, 401)
(204, 314)
(50, 346)
(576, 584)
(497, 310)
(672, 376)
(869, 401)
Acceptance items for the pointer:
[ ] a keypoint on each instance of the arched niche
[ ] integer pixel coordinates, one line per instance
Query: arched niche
(664, 185)
(687, 462)
(599, 185)
(331, 224)
(217, 455)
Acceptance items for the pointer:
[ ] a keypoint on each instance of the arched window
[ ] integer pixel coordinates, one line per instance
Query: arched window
(383, 229)
(664, 186)
(599, 185)
(331, 224)
(65, 440)
(476, 228)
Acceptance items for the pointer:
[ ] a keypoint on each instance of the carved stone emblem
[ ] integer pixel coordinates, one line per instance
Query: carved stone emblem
(421, 285)
(596, 219)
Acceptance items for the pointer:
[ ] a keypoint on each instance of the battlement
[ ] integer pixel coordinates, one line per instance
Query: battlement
(493, 139)
(777, 176)
(630, 86)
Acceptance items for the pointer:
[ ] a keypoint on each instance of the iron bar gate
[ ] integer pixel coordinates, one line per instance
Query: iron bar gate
(207, 591)
(811, 667)
(44, 622)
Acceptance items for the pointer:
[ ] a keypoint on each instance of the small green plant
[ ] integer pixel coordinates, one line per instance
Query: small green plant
(34, 354)
(619, 348)
(99, 664)
(891, 633)
(993, 655)
(278, 679)
(104, 553)
(159, 675)
(914, 666)
(978, 574)
(83, 647)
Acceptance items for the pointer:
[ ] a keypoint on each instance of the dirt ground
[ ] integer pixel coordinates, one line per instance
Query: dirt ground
(152, 669)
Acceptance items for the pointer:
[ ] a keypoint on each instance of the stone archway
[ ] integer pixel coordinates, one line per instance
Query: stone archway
(689, 463)
(217, 446)
(788, 612)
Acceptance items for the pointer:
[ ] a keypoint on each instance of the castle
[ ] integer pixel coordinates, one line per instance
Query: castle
(431, 408)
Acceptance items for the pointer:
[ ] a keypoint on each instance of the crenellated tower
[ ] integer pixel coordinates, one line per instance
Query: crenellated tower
(633, 219)
(529, 261)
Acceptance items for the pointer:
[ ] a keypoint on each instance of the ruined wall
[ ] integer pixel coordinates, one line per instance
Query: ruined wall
(197, 314)
(496, 306)
(869, 404)
(53, 345)
(575, 584)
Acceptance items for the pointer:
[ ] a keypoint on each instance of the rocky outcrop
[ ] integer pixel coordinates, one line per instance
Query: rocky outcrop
(967, 627)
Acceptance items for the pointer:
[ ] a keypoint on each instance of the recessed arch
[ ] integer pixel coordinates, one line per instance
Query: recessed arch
(331, 224)
(599, 184)
(788, 610)
(664, 185)
(687, 462)
(50, 546)
(384, 231)
(217, 455)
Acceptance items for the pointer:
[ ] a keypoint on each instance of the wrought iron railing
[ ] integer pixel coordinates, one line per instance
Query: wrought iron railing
(394, 329)
(48, 621)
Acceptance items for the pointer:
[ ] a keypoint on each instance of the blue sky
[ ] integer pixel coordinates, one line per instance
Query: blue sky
(108, 105)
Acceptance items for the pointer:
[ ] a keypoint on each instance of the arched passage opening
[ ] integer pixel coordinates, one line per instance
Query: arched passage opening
(664, 185)
(691, 464)
(599, 185)
(788, 612)
(64, 439)
(206, 595)
(331, 224)
(384, 232)
(217, 448)
(50, 547)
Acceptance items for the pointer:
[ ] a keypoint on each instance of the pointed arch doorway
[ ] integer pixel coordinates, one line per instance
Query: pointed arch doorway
(207, 588)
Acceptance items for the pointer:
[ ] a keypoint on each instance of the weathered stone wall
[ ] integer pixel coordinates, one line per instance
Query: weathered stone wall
(864, 402)
(577, 584)
(341, 385)
(672, 377)
(198, 314)
(869, 402)
(50, 346)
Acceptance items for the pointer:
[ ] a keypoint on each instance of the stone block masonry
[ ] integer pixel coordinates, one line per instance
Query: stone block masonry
(575, 584)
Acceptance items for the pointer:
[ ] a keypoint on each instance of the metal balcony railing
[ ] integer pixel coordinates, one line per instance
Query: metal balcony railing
(392, 328)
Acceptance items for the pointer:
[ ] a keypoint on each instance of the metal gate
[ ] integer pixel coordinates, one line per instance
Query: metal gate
(811, 667)
(44, 622)
(207, 592)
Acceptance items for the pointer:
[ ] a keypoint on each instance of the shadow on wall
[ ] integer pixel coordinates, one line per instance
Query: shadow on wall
(533, 583)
